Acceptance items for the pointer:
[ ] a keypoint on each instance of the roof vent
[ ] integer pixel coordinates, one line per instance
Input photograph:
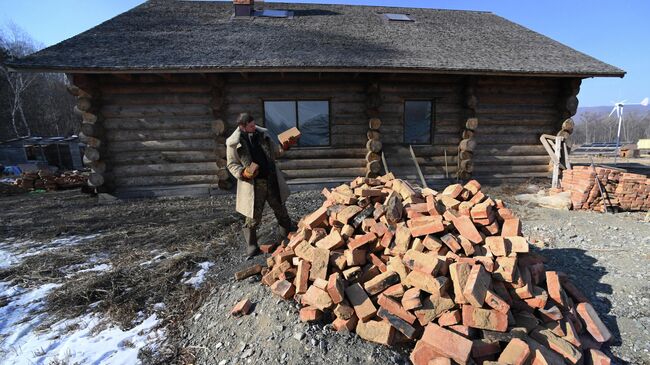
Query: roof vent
(397, 17)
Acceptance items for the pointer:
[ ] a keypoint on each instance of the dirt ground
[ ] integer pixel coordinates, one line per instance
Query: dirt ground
(152, 245)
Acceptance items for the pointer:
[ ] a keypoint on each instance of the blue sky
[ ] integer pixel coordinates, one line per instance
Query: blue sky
(614, 32)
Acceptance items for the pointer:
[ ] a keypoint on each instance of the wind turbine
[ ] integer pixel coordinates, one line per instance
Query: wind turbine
(618, 108)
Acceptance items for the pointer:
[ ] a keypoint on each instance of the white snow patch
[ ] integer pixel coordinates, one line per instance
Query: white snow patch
(69, 340)
(197, 279)
(101, 267)
(12, 251)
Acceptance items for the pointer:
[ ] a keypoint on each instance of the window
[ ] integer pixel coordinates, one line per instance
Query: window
(398, 17)
(312, 117)
(270, 13)
(418, 121)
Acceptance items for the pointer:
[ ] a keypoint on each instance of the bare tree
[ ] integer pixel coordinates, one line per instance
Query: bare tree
(16, 43)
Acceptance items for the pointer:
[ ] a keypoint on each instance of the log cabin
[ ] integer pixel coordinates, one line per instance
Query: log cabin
(463, 93)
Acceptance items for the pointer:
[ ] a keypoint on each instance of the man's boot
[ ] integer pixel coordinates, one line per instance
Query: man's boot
(250, 235)
(284, 229)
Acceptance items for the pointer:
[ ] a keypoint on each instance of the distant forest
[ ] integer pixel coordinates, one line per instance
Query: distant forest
(36, 104)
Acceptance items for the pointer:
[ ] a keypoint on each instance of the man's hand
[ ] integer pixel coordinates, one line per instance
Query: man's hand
(250, 172)
(246, 175)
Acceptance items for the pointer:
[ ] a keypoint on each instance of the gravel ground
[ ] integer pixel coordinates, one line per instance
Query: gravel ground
(606, 255)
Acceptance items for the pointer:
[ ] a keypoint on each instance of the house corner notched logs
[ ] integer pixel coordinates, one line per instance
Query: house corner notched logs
(468, 143)
(568, 106)
(218, 106)
(92, 131)
(374, 145)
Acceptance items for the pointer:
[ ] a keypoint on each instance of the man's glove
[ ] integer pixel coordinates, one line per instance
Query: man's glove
(251, 171)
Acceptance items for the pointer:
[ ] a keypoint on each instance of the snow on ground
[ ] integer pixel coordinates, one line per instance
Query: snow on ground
(27, 338)
(197, 279)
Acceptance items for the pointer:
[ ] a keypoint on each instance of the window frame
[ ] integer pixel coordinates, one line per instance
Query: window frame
(432, 122)
(295, 101)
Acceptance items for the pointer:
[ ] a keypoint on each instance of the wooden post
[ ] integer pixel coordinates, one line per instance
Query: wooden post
(556, 166)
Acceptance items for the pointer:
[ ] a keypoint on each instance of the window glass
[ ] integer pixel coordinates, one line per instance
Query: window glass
(313, 123)
(279, 116)
(417, 122)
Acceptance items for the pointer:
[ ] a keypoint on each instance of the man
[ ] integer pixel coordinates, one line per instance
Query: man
(250, 143)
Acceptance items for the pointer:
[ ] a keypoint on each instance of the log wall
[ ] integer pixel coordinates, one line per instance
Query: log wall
(159, 129)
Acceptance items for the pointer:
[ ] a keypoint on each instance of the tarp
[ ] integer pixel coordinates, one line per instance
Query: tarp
(12, 170)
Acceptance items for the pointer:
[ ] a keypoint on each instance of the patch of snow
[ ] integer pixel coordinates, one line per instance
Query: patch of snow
(12, 251)
(197, 279)
(71, 341)
(101, 267)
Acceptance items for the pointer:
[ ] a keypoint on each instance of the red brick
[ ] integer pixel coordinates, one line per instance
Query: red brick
(352, 274)
(555, 288)
(433, 307)
(387, 239)
(499, 246)
(432, 206)
(398, 323)
(332, 241)
(343, 311)
(363, 306)
(484, 348)
(477, 285)
(505, 269)
(423, 353)
(511, 227)
(394, 291)
(595, 326)
(376, 331)
(550, 314)
(317, 298)
(268, 247)
(467, 246)
(380, 282)
(317, 218)
(309, 314)
(347, 213)
(349, 324)
(440, 361)
(452, 242)
(447, 343)
(362, 240)
(242, 308)
(450, 318)
(539, 299)
(459, 273)
(283, 289)
(515, 353)
(402, 239)
(548, 339)
(596, 357)
(355, 257)
(302, 277)
(484, 319)
(518, 244)
(495, 302)
(411, 299)
(395, 308)
(319, 264)
(335, 288)
(432, 243)
(427, 283)
(466, 228)
(422, 262)
(574, 292)
(429, 228)
(453, 190)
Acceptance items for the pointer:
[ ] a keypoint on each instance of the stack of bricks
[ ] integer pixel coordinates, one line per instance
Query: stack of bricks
(448, 272)
(46, 180)
(628, 192)
(633, 192)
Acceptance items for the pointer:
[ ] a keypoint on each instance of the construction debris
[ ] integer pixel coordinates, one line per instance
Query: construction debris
(621, 191)
(449, 272)
(47, 180)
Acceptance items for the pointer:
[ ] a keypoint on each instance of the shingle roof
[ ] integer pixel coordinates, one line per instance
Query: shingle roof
(202, 36)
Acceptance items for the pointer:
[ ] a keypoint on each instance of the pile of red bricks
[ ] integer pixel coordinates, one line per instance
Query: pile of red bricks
(49, 181)
(449, 272)
(625, 191)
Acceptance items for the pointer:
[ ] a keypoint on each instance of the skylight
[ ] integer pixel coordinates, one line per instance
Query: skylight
(270, 13)
(398, 17)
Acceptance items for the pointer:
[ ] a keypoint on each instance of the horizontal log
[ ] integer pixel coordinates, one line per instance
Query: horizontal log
(306, 164)
(157, 99)
(159, 88)
(338, 172)
(517, 81)
(165, 180)
(422, 161)
(510, 150)
(156, 123)
(150, 78)
(523, 110)
(313, 153)
(516, 119)
(515, 130)
(173, 145)
(510, 168)
(193, 168)
(435, 150)
(510, 160)
(157, 135)
(160, 157)
(484, 138)
(121, 111)
(510, 176)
